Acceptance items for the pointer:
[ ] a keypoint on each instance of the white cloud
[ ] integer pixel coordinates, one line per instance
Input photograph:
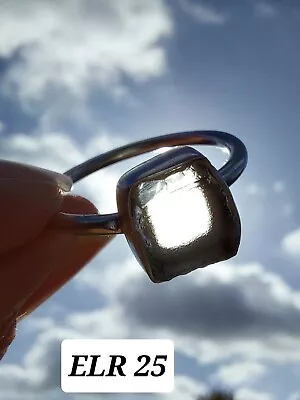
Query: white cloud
(239, 373)
(291, 244)
(203, 13)
(73, 44)
(265, 9)
(103, 142)
(250, 394)
(103, 279)
(55, 151)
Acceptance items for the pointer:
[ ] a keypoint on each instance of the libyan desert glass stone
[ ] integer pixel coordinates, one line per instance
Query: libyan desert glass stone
(177, 214)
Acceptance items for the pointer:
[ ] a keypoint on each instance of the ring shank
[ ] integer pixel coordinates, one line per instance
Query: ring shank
(95, 224)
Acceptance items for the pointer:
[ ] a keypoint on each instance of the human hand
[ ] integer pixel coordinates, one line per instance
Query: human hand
(36, 261)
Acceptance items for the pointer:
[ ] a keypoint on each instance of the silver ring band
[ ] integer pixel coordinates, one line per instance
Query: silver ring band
(107, 224)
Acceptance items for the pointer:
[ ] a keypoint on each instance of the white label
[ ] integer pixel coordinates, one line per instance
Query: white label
(117, 366)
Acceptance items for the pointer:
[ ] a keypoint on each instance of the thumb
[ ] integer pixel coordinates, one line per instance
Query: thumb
(30, 196)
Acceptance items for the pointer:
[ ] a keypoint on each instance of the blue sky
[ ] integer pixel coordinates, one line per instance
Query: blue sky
(80, 77)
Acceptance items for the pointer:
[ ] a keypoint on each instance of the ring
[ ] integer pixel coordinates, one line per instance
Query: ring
(107, 224)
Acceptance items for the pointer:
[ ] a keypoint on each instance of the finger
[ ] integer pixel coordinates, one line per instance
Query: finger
(75, 255)
(65, 252)
(26, 172)
(29, 198)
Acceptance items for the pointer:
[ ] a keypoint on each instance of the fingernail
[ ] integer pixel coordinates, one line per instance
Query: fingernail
(64, 182)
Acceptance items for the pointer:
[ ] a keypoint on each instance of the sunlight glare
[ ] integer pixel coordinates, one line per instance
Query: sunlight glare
(178, 209)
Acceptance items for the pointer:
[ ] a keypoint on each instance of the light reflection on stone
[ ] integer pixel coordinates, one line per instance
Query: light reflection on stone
(177, 208)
